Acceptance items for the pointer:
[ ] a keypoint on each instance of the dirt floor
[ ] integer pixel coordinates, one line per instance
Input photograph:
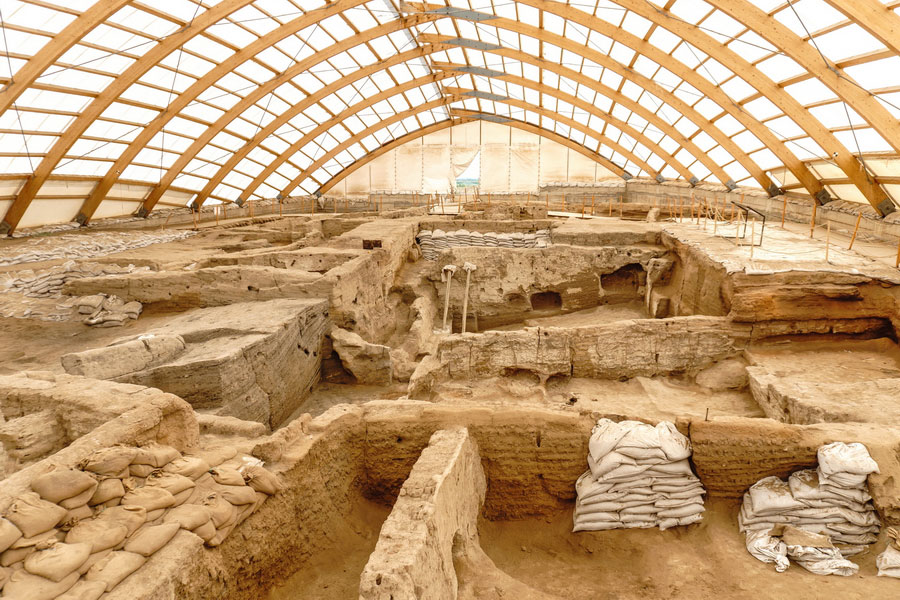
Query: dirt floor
(840, 361)
(707, 560)
(38, 345)
(335, 572)
(606, 313)
(652, 398)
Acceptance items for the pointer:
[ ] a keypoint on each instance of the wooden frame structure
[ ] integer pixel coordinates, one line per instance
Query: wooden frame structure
(645, 91)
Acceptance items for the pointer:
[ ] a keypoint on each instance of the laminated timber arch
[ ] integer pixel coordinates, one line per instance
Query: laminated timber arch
(797, 168)
(587, 107)
(880, 20)
(618, 170)
(441, 125)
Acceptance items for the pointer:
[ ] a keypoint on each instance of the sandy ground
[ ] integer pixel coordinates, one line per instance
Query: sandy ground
(830, 362)
(606, 313)
(656, 398)
(708, 560)
(33, 345)
(335, 573)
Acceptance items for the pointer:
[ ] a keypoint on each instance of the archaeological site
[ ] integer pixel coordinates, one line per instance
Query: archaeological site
(387, 300)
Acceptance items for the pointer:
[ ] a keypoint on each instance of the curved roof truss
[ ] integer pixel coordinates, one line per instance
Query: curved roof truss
(252, 97)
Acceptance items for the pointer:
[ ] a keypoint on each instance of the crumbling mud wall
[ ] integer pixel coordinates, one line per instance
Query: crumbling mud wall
(254, 361)
(531, 458)
(509, 284)
(621, 349)
(88, 414)
(435, 512)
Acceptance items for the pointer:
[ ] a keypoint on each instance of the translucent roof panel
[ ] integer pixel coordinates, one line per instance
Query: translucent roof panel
(238, 99)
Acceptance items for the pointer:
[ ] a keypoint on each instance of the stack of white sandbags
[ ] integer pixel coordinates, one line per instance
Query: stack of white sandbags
(888, 562)
(831, 500)
(639, 476)
(434, 242)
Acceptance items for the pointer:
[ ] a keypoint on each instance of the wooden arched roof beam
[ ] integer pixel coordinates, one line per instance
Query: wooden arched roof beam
(58, 45)
(714, 93)
(191, 93)
(441, 125)
(447, 100)
(119, 85)
(184, 99)
(753, 76)
(362, 105)
(672, 100)
(799, 51)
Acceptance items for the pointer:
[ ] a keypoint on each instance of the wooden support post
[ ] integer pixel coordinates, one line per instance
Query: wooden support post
(752, 236)
(703, 208)
(812, 220)
(224, 212)
(855, 231)
(280, 207)
(897, 263)
(217, 214)
(592, 204)
(621, 206)
(610, 206)
(783, 210)
(827, 239)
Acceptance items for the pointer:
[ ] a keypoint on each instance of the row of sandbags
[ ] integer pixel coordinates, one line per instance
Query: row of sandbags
(81, 532)
(639, 477)
(831, 501)
(48, 283)
(102, 310)
(434, 242)
(98, 243)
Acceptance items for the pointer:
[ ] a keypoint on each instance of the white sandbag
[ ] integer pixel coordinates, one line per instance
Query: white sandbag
(32, 515)
(596, 526)
(839, 457)
(85, 590)
(147, 540)
(626, 472)
(888, 562)
(115, 568)
(822, 561)
(25, 586)
(109, 462)
(845, 480)
(675, 445)
(679, 468)
(682, 511)
(856, 495)
(60, 484)
(58, 560)
(768, 549)
(609, 462)
(639, 435)
(772, 496)
(645, 456)
(605, 436)
(9, 534)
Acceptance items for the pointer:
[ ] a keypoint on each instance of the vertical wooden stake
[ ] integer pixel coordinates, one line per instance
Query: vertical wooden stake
(827, 239)
(897, 263)
(592, 205)
(217, 214)
(752, 236)
(783, 210)
(855, 230)
(280, 208)
(610, 206)
(812, 220)
(621, 206)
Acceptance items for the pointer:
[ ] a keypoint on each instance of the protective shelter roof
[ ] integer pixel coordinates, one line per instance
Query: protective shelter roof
(192, 101)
